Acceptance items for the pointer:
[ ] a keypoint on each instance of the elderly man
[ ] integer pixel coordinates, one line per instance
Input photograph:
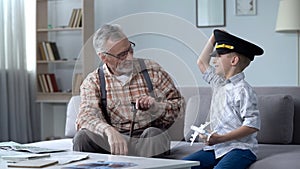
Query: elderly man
(127, 104)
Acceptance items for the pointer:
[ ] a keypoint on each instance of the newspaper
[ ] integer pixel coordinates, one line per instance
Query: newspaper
(13, 146)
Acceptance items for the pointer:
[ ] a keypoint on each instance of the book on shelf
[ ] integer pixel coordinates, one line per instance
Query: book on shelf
(41, 83)
(53, 82)
(76, 18)
(79, 20)
(42, 52)
(55, 50)
(44, 80)
(45, 50)
(72, 18)
(48, 51)
(48, 83)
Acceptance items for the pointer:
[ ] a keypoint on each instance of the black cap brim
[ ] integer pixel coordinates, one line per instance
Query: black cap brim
(230, 43)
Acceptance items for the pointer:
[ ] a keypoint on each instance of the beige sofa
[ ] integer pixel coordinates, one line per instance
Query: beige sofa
(279, 137)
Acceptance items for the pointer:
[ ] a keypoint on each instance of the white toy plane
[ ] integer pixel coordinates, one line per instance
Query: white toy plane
(199, 130)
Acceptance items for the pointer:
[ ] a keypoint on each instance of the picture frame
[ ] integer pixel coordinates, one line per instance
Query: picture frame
(210, 13)
(245, 7)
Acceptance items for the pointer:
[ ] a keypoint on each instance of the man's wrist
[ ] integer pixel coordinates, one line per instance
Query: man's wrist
(107, 130)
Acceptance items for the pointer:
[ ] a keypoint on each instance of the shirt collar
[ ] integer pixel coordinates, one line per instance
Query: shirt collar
(236, 78)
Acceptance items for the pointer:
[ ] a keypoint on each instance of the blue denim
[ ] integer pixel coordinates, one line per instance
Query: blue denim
(235, 159)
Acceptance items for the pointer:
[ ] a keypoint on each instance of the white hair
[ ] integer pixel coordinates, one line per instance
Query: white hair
(107, 32)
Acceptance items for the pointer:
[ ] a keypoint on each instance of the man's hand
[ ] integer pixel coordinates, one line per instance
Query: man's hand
(145, 103)
(117, 143)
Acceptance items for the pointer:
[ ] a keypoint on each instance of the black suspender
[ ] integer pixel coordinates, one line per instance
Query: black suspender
(103, 87)
(146, 76)
(103, 94)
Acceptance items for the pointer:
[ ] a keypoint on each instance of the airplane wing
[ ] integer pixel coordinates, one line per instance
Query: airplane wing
(198, 130)
(194, 136)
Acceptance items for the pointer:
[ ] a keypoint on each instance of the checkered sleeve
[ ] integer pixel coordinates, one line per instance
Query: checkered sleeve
(171, 104)
(90, 115)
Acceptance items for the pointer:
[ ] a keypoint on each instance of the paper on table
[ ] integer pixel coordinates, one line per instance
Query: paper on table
(33, 163)
(19, 147)
(25, 156)
(69, 158)
(8, 153)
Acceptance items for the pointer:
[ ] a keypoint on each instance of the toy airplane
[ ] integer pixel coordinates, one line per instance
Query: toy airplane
(199, 130)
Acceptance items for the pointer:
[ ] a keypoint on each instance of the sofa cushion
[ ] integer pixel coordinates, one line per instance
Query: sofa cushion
(72, 111)
(194, 105)
(281, 160)
(277, 113)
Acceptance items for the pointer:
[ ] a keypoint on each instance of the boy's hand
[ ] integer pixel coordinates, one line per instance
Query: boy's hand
(211, 139)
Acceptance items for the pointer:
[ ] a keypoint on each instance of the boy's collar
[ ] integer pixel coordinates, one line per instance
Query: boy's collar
(236, 78)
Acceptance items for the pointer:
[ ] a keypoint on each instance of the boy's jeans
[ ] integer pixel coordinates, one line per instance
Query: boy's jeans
(235, 159)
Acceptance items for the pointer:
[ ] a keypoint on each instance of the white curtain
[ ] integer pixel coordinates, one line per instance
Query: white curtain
(17, 107)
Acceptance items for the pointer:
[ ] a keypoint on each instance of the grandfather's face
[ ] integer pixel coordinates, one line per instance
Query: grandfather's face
(119, 56)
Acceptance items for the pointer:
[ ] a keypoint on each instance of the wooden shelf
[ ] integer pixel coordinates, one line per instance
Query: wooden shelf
(56, 61)
(58, 29)
(58, 97)
(63, 41)
(69, 41)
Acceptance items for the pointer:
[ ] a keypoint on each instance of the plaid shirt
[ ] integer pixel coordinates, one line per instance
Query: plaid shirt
(119, 98)
(234, 104)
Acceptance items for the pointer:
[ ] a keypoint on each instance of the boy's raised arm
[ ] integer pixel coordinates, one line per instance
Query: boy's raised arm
(204, 58)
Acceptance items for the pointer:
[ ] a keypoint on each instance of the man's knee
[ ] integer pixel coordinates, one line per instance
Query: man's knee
(79, 140)
(155, 142)
(152, 131)
(87, 141)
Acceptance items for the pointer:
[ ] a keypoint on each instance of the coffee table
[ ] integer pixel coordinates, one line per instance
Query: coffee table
(142, 162)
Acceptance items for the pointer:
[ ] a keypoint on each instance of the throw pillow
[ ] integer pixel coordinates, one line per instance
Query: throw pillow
(277, 114)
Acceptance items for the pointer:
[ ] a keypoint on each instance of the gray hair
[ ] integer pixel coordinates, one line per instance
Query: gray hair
(105, 33)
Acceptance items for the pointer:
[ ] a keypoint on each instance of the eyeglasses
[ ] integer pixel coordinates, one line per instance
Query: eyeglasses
(123, 54)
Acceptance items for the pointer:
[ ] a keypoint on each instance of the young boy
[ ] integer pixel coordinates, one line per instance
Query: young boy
(234, 114)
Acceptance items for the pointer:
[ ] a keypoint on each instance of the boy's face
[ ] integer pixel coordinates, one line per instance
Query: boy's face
(222, 63)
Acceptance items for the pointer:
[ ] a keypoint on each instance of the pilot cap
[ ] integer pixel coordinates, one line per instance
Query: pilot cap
(227, 43)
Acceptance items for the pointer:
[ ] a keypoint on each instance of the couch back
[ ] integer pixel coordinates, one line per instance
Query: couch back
(278, 130)
(284, 125)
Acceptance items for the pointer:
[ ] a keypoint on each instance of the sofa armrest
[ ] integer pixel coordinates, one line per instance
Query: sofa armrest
(72, 111)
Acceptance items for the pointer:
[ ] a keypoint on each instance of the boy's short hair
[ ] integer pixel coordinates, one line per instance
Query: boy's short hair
(243, 60)
(227, 43)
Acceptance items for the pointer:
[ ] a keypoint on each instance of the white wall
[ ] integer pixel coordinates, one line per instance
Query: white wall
(278, 66)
